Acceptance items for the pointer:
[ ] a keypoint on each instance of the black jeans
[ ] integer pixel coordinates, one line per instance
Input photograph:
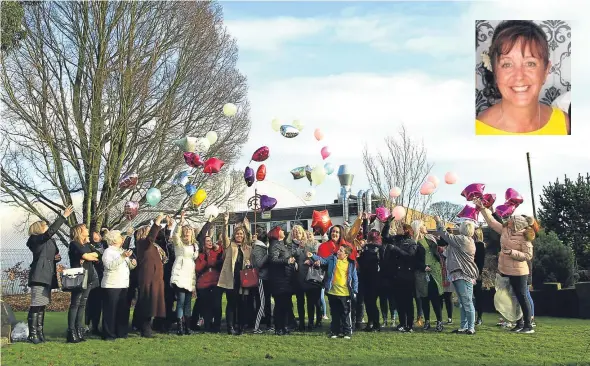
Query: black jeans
(94, 307)
(403, 290)
(519, 286)
(478, 294)
(210, 307)
(234, 309)
(448, 300)
(370, 298)
(433, 297)
(115, 313)
(357, 303)
(77, 308)
(263, 305)
(281, 313)
(312, 298)
(387, 300)
(340, 312)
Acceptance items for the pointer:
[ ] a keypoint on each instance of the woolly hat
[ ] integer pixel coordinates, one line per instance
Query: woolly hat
(521, 222)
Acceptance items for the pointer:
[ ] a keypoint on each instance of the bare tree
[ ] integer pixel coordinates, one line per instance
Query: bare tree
(402, 164)
(101, 89)
(446, 210)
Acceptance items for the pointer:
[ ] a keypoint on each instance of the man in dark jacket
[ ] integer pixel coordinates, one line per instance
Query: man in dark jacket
(163, 240)
(369, 265)
(259, 260)
(94, 307)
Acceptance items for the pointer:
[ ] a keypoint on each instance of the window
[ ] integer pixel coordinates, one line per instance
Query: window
(261, 224)
(282, 224)
(302, 223)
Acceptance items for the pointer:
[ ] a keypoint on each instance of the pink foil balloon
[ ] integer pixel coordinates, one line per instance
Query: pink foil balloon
(488, 200)
(325, 152)
(261, 154)
(434, 180)
(468, 212)
(513, 196)
(395, 192)
(474, 190)
(505, 210)
(319, 135)
(213, 165)
(427, 188)
(398, 213)
(450, 178)
(382, 213)
(130, 210)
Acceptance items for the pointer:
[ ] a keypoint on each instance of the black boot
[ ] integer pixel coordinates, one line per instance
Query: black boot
(187, 329)
(40, 321)
(180, 328)
(33, 319)
(73, 336)
(81, 334)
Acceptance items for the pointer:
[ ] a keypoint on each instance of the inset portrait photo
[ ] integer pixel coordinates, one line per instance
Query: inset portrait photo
(523, 80)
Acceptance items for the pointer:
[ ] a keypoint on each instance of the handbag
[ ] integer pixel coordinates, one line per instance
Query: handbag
(249, 277)
(315, 275)
(74, 279)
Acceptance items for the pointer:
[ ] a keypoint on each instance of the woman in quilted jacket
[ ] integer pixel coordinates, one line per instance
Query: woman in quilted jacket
(516, 237)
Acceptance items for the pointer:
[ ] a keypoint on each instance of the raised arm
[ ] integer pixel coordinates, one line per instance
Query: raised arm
(385, 237)
(354, 230)
(487, 215)
(224, 232)
(203, 233)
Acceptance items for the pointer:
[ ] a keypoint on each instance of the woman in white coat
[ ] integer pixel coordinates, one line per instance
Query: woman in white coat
(184, 276)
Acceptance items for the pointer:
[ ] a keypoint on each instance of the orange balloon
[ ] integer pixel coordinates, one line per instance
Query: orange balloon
(261, 173)
(319, 135)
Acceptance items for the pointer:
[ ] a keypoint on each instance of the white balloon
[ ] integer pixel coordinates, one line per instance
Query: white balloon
(309, 195)
(202, 145)
(276, 124)
(212, 137)
(230, 109)
(318, 174)
(298, 125)
(211, 211)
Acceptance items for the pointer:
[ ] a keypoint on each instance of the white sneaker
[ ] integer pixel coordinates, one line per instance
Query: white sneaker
(325, 317)
(346, 337)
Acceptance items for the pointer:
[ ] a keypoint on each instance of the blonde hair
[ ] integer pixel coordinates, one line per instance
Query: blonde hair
(244, 231)
(479, 234)
(186, 228)
(112, 236)
(416, 225)
(467, 228)
(300, 230)
(38, 228)
(76, 233)
(142, 232)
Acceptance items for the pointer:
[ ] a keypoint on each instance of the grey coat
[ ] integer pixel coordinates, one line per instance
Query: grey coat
(460, 253)
(259, 259)
(44, 251)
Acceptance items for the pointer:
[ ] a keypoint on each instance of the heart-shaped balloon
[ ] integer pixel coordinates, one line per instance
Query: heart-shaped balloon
(190, 189)
(469, 212)
(320, 220)
(261, 154)
(488, 200)
(249, 176)
(213, 165)
(505, 210)
(267, 203)
(129, 181)
(289, 131)
(318, 134)
(261, 173)
(131, 209)
(398, 213)
(298, 173)
(513, 196)
(474, 190)
(325, 152)
(382, 213)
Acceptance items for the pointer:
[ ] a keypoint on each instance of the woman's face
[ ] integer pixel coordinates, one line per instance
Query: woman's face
(309, 235)
(239, 236)
(187, 234)
(423, 229)
(297, 234)
(335, 235)
(84, 235)
(208, 242)
(118, 242)
(510, 224)
(520, 78)
(281, 234)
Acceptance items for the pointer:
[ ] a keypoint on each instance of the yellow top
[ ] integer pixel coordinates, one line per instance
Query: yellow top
(339, 285)
(555, 126)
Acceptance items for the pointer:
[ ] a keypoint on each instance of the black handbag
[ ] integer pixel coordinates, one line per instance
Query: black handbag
(315, 276)
(74, 279)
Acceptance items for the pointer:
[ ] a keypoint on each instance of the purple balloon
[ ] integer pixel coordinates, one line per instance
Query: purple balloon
(468, 212)
(474, 190)
(249, 176)
(513, 196)
(505, 210)
(267, 203)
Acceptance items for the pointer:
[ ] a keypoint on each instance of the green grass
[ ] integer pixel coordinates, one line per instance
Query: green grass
(556, 341)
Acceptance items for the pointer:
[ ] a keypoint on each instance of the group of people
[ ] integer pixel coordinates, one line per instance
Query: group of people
(354, 266)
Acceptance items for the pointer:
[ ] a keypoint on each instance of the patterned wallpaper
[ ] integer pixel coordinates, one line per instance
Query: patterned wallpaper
(559, 80)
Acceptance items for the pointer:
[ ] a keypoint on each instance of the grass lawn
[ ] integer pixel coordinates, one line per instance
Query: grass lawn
(556, 341)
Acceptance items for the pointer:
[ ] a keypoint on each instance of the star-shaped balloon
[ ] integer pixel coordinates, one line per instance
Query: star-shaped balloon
(321, 221)
(213, 165)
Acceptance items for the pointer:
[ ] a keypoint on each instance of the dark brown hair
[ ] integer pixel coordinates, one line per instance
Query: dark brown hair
(509, 32)
(408, 230)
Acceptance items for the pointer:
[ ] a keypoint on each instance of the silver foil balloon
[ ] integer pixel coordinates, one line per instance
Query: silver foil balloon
(359, 201)
(298, 173)
(368, 201)
(308, 170)
(289, 131)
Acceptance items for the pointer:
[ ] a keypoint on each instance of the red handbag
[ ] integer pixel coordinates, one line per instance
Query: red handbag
(249, 277)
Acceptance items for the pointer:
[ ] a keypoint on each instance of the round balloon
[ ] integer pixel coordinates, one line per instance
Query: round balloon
(211, 212)
(329, 168)
(398, 213)
(289, 131)
(434, 180)
(395, 192)
(298, 125)
(276, 124)
(212, 137)
(249, 176)
(199, 197)
(309, 195)
(318, 134)
(325, 152)
(318, 174)
(230, 109)
(153, 196)
(427, 188)
(450, 178)
(203, 145)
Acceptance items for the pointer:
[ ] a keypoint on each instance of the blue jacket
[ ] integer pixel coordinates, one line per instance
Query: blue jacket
(353, 281)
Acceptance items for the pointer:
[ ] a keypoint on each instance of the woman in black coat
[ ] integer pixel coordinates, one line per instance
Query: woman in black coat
(305, 289)
(281, 269)
(43, 274)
